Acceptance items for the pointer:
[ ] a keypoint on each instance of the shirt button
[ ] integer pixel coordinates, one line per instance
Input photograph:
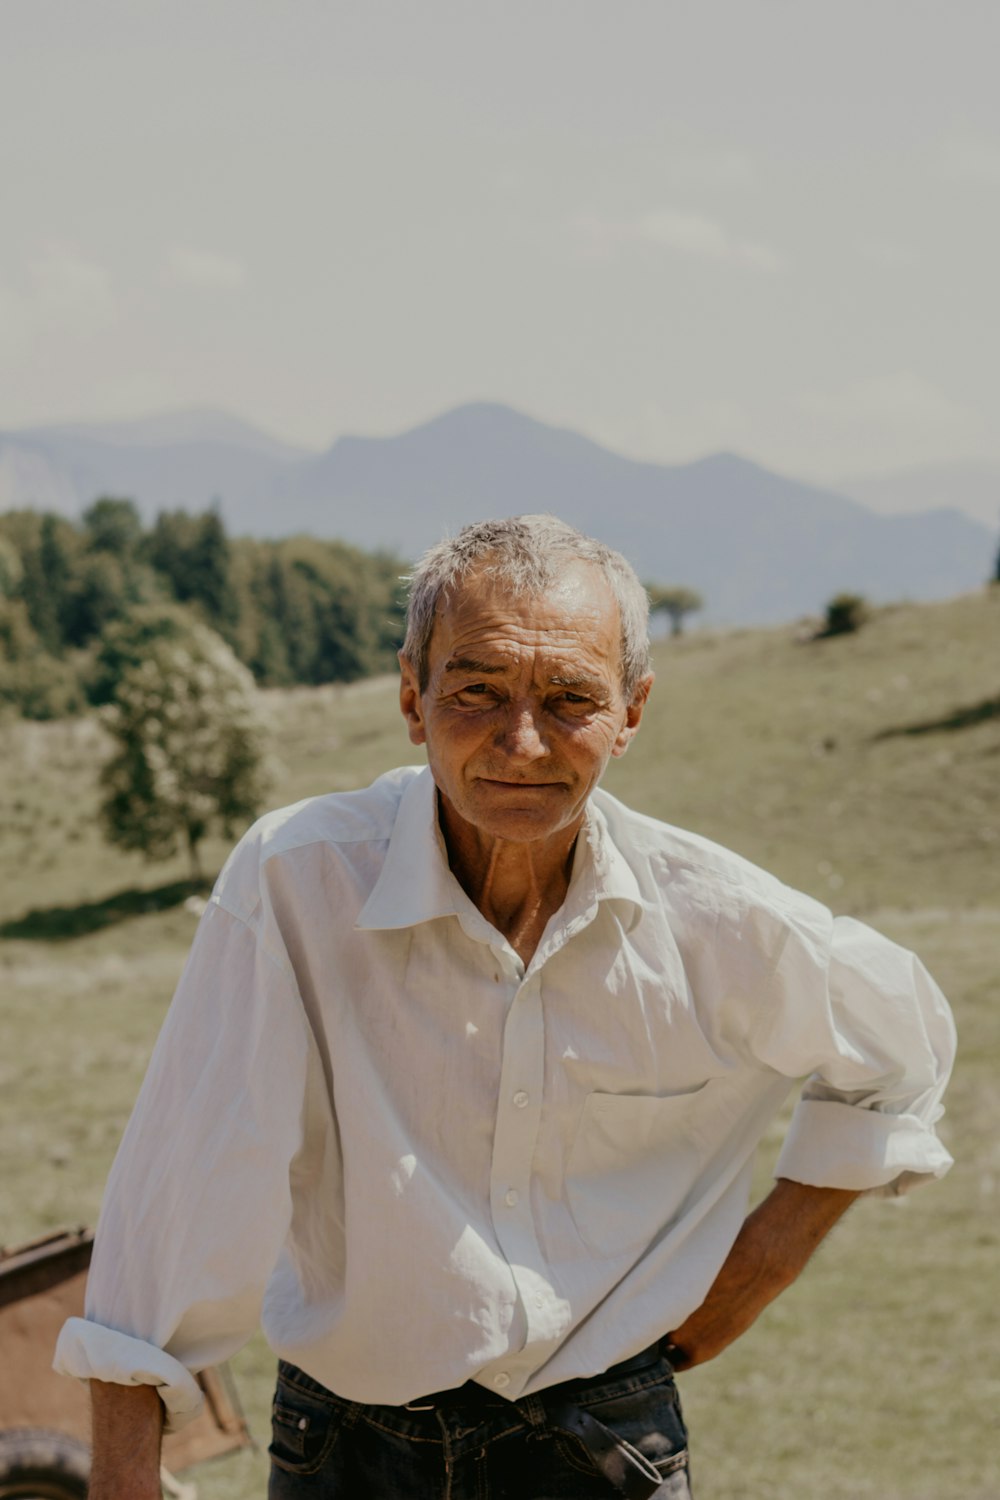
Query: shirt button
(501, 1379)
(520, 1098)
(539, 1300)
(510, 1197)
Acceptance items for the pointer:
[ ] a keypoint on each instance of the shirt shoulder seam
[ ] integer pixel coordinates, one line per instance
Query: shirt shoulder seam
(250, 923)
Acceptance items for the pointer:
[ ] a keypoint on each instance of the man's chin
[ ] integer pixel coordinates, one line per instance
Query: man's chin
(518, 812)
(513, 811)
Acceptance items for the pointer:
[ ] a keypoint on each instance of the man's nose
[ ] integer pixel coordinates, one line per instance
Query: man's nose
(522, 736)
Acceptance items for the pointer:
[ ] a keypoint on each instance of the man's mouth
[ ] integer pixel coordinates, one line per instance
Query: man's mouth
(518, 786)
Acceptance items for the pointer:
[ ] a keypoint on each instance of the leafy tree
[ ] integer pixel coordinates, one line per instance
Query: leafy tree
(11, 568)
(298, 610)
(113, 525)
(193, 554)
(48, 556)
(127, 643)
(339, 603)
(675, 601)
(313, 611)
(209, 566)
(39, 687)
(97, 596)
(190, 754)
(288, 600)
(32, 683)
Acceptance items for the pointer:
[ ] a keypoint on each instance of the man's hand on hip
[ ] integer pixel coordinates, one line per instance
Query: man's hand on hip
(771, 1249)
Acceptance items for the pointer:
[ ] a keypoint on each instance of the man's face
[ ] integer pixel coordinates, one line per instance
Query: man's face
(523, 705)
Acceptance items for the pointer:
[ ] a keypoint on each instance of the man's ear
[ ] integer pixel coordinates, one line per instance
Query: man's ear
(633, 715)
(409, 700)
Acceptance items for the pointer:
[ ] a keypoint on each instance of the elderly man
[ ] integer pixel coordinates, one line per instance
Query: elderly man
(464, 1077)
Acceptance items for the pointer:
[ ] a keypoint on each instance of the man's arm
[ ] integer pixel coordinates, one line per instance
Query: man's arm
(770, 1250)
(127, 1424)
(190, 1191)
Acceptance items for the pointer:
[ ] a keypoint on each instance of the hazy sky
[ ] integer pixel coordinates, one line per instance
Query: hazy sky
(765, 225)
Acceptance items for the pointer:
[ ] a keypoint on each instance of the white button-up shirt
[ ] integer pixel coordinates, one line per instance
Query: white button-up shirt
(418, 1160)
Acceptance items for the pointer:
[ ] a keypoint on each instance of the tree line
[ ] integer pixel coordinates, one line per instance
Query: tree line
(298, 610)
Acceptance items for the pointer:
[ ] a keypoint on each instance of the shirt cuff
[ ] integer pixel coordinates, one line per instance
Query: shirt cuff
(92, 1352)
(830, 1144)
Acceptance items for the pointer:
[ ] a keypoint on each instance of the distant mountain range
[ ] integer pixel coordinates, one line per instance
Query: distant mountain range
(971, 488)
(760, 547)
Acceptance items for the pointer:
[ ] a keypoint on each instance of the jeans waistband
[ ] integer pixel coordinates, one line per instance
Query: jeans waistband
(561, 1408)
(473, 1393)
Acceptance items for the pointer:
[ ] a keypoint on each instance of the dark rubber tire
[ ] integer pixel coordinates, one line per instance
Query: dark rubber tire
(37, 1464)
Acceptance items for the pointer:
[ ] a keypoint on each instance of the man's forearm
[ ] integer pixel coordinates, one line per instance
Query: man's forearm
(771, 1249)
(127, 1427)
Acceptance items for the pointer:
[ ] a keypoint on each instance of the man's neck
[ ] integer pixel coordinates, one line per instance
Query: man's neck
(517, 887)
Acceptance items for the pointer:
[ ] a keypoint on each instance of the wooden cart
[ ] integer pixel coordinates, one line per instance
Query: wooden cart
(44, 1417)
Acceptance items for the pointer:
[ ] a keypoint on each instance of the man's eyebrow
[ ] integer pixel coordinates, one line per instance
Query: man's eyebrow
(570, 680)
(587, 684)
(471, 664)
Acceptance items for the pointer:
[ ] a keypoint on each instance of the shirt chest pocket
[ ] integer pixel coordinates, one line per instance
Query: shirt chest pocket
(633, 1162)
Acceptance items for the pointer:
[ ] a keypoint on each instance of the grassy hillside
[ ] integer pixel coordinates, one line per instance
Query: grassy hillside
(879, 1374)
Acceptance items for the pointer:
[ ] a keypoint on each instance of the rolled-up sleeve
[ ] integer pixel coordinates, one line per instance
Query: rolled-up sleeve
(862, 1020)
(198, 1203)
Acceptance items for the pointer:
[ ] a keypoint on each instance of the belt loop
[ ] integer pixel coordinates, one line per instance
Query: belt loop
(532, 1408)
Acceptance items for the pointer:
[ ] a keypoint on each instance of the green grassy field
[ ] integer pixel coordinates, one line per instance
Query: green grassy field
(862, 769)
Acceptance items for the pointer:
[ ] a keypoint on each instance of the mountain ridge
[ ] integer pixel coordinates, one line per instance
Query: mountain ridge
(975, 486)
(760, 546)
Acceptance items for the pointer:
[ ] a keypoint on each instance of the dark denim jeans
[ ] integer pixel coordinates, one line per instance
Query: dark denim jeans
(326, 1448)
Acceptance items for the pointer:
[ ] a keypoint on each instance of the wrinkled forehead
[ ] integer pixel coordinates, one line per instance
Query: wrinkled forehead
(576, 610)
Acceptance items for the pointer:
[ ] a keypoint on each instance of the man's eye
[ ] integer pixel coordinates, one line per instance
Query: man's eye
(575, 700)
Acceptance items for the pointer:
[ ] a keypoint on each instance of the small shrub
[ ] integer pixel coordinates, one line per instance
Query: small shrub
(845, 614)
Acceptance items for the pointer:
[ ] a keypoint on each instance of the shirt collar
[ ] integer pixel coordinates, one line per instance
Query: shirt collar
(416, 884)
(601, 872)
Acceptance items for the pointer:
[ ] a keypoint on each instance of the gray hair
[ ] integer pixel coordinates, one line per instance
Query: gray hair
(524, 554)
